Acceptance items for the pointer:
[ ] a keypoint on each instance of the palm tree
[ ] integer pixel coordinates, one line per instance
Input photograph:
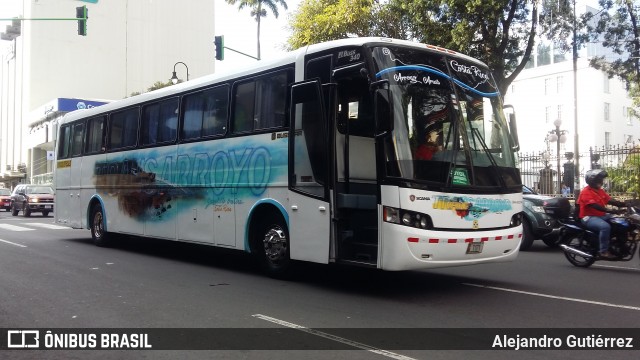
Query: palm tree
(258, 10)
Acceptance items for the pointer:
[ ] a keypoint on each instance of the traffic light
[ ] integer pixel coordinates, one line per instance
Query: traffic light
(82, 14)
(219, 42)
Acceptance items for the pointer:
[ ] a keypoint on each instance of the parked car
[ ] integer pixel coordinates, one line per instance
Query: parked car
(31, 199)
(537, 222)
(5, 199)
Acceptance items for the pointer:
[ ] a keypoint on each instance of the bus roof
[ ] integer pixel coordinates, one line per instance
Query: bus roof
(260, 66)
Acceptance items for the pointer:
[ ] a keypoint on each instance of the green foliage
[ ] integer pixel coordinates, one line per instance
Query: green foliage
(322, 20)
(618, 26)
(499, 32)
(159, 85)
(626, 178)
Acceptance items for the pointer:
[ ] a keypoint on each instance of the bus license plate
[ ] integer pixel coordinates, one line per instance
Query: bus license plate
(475, 248)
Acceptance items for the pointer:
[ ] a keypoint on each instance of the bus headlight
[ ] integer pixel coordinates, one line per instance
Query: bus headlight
(407, 218)
(391, 215)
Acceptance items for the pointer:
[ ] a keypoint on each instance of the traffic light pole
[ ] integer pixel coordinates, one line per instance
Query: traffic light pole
(241, 53)
(48, 19)
(82, 21)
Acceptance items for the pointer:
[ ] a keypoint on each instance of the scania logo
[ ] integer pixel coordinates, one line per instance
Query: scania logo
(414, 198)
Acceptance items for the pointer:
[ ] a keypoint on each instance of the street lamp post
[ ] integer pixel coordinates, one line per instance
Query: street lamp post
(559, 137)
(174, 78)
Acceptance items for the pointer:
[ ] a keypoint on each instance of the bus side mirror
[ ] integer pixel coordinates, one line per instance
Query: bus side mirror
(384, 120)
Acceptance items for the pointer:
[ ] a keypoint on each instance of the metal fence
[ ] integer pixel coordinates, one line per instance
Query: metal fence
(543, 172)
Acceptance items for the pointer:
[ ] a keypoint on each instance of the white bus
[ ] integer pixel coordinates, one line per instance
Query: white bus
(367, 151)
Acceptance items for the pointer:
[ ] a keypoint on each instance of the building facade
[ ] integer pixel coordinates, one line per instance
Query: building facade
(544, 94)
(543, 97)
(129, 46)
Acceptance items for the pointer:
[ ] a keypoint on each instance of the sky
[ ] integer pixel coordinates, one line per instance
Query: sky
(238, 27)
(240, 33)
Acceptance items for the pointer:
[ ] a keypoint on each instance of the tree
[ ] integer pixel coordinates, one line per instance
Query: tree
(617, 26)
(502, 33)
(323, 20)
(157, 85)
(258, 10)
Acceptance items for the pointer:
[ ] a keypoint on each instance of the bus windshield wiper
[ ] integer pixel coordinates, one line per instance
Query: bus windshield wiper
(485, 148)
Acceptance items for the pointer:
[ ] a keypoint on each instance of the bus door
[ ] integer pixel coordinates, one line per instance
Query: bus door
(73, 207)
(356, 186)
(309, 208)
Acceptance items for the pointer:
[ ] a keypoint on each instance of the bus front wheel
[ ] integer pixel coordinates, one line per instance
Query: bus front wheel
(272, 246)
(98, 234)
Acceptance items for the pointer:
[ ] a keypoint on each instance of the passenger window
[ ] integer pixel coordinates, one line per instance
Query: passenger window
(76, 140)
(64, 148)
(260, 104)
(205, 113)
(271, 94)
(160, 122)
(123, 129)
(95, 135)
(243, 110)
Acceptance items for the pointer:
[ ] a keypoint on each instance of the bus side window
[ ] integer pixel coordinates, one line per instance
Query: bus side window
(271, 94)
(95, 135)
(243, 107)
(159, 122)
(205, 113)
(260, 103)
(77, 139)
(123, 128)
(214, 121)
(64, 148)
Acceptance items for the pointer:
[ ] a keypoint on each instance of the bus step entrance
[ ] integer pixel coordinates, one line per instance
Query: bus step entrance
(360, 245)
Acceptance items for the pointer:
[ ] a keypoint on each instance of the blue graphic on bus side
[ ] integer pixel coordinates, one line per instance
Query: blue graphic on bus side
(147, 183)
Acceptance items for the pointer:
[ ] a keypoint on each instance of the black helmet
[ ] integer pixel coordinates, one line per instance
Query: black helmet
(595, 176)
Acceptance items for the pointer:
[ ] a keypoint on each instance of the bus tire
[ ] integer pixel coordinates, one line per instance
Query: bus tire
(98, 234)
(272, 246)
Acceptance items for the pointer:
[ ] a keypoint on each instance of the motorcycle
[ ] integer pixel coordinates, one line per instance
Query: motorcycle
(581, 246)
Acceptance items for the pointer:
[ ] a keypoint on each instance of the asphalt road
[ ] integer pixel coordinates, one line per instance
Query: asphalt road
(53, 277)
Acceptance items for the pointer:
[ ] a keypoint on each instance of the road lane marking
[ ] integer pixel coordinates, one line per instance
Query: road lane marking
(14, 228)
(636, 308)
(12, 243)
(49, 226)
(334, 338)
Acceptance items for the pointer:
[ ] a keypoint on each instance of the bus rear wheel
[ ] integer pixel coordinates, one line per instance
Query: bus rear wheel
(98, 234)
(272, 246)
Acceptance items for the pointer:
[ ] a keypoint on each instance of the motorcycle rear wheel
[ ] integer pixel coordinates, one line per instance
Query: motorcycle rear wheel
(578, 242)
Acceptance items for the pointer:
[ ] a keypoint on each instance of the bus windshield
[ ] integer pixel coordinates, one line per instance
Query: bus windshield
(449, 127)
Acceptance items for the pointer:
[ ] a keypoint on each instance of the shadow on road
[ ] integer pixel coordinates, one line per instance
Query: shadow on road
(341, 278)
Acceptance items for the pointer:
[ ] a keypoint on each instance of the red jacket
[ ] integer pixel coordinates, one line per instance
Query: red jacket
(590, 195)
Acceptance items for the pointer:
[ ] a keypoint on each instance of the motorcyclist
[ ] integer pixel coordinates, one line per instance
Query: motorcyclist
(593, 211)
